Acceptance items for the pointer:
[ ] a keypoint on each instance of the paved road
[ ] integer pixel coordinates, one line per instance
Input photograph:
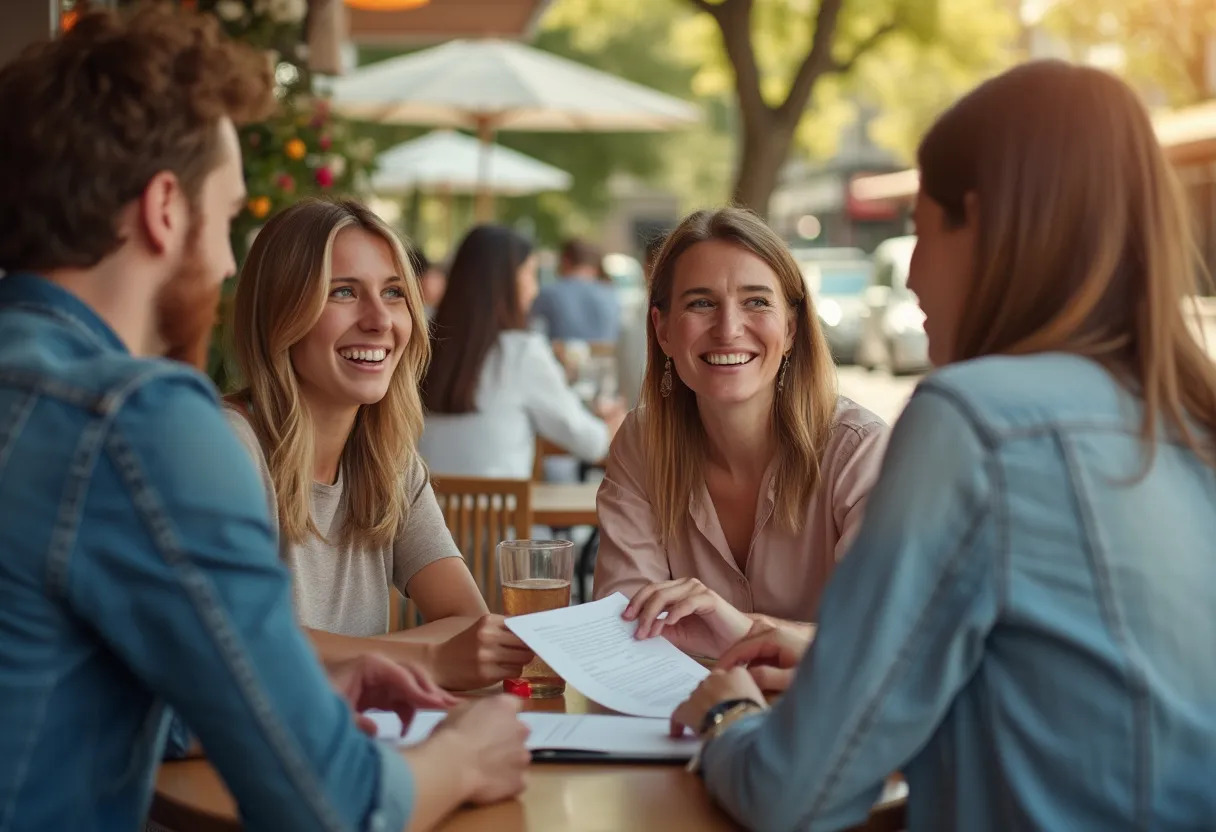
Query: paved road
(878, 390)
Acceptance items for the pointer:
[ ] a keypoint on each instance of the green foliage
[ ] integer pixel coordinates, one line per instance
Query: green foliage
(942, 48)
(1163, 43)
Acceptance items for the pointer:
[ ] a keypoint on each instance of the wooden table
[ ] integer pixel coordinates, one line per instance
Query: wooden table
(569, 797)
(561, 505)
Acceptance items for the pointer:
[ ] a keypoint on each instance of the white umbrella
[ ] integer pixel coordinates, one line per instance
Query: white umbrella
(494, 85)
(449, 162)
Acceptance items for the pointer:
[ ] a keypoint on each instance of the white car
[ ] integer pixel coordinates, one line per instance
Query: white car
(893, 332)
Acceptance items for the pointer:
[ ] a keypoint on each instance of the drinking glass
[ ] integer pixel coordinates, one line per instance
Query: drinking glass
(535, 576)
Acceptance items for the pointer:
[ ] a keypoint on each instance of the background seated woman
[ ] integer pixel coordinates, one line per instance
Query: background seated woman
(331, 340)
(1024, 626)
(493, 386)
(736, 485)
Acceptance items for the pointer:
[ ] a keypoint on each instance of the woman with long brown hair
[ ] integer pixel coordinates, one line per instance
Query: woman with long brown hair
(1024, 626)
(734, 488)
(331, 339)
(494, 386)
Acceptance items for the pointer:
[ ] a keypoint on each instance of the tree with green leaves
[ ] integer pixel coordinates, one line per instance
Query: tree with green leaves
(783, 52)
(777, 76)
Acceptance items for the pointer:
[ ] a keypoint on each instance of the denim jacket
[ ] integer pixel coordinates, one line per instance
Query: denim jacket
(1023, 627)
(139, 570)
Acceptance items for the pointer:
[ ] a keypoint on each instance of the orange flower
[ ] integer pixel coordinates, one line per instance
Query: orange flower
(259, 206)
(295, 149)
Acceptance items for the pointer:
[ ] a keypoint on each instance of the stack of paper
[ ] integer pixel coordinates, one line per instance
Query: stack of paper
(613, 736)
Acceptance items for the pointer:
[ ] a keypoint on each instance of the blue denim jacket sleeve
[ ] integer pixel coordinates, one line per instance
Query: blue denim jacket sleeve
(902, 627)
(180, 575)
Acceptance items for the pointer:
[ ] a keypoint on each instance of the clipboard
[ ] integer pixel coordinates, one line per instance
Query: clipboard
(570, 755)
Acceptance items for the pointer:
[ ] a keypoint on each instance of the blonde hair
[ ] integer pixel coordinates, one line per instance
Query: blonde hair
(1084, 241)
(803, 412)
(281, 293)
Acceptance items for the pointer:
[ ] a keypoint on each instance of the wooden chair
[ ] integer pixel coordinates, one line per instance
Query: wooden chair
(603, 349)
(480, 513)
(545, 448)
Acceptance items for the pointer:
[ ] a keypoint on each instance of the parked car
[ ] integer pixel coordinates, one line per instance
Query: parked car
(839, 288)
(893, 325)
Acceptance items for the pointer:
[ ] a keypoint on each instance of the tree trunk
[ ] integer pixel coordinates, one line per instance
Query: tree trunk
(764, 147)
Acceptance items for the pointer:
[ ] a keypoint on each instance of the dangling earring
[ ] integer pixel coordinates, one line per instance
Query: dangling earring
(785, 365)
(665, 383)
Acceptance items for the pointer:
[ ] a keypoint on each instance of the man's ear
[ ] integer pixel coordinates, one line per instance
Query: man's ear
(162, 214)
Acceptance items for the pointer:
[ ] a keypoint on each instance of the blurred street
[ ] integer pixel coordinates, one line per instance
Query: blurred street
(879, 391)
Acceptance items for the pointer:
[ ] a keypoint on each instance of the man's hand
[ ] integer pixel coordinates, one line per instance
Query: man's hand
(719, 686)
(492, 738)
(770, 653)
(372, 681)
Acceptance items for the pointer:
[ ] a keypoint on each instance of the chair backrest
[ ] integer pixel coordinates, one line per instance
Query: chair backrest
(545, 448)
(480, 513)
(603, 349)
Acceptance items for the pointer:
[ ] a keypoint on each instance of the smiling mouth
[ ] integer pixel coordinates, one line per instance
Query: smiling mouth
(365, 357)
(731, 359)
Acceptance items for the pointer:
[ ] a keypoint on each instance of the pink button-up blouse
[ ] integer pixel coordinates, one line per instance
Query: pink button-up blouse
(785, 571)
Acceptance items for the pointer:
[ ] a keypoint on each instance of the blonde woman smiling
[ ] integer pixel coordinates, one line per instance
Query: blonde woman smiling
(735, 487)
(331, 339)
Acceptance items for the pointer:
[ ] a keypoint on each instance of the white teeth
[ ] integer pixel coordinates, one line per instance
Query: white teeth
(732, 358)
(378, 354)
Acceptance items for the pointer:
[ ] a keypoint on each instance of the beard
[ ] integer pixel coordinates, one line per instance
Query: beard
(187, 306)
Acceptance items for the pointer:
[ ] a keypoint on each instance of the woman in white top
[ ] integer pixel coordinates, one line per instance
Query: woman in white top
(331, 339)
(493, 386)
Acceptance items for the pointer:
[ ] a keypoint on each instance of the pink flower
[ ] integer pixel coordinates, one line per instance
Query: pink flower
(286, 182)
(325, 142)
(325, 177)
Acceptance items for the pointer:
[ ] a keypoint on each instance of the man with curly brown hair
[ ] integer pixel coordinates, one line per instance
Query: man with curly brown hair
(138, 563)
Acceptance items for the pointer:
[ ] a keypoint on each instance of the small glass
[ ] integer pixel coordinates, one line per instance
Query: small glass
(535, 576)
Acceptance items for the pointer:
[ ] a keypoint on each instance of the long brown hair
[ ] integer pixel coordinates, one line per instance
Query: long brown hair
(1084, 241)
(280, 295)
(803, 411)
(481, 300)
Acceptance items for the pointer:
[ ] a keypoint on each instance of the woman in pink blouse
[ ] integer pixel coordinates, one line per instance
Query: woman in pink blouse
(739, 481)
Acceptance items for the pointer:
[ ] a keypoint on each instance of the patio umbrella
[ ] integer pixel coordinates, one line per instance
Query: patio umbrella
(491, 85)
(449, 162)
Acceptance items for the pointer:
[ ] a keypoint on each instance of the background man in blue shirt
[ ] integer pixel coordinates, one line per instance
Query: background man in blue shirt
(138, 563)
(579, 306)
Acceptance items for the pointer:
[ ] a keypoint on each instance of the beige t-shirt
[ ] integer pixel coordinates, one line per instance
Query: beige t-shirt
(344, 588)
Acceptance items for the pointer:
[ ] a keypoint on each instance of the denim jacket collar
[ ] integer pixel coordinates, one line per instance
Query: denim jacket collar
(33, 291)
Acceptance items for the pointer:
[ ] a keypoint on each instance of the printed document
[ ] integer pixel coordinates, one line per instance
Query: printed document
(627, 736)
(594, 650)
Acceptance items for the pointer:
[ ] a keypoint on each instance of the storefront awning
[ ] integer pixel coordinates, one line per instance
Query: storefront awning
(1188, 137)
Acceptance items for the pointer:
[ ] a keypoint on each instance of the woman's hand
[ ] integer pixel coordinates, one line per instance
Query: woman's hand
(719, 686)
(372, 681)
(483, 653)
(699, 621)
(770, 653)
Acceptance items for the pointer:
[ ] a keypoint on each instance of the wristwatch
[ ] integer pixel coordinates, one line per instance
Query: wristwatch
(723, 714)
(718, 719)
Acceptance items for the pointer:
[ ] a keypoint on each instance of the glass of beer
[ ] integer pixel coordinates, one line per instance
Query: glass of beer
(535, 576)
